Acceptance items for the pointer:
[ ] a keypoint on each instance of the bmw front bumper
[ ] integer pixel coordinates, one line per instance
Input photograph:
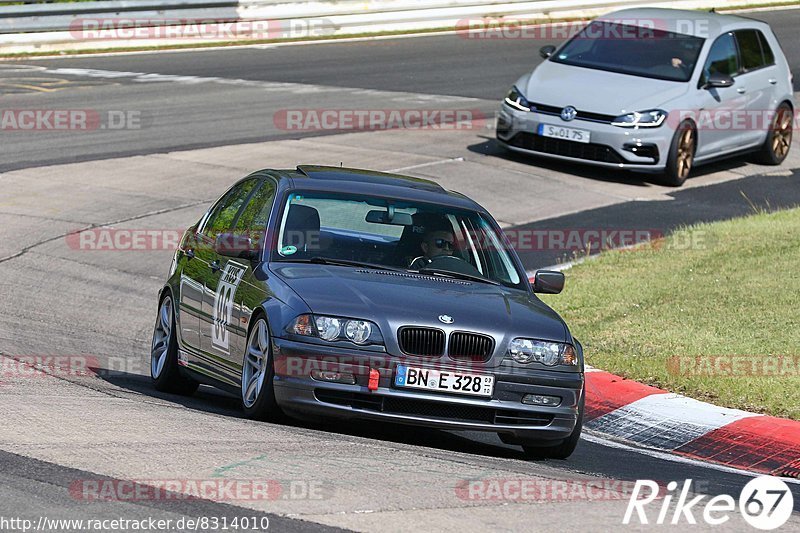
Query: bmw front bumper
(641, 149)
(301, 395)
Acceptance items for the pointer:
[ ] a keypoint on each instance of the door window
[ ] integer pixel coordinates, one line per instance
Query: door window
(750, 50)
(722, 58)
(223, 216)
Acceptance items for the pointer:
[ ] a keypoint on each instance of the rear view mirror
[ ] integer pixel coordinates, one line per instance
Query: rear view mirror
(547, 51)
(548, 282)
(235, 245)
(378, 216)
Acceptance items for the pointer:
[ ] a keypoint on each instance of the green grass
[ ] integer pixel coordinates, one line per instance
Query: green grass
(734, 292)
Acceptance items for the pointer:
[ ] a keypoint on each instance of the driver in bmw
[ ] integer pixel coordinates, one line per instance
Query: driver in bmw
(438, 241)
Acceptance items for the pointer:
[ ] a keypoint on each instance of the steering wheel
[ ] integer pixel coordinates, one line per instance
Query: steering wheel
(453, 264)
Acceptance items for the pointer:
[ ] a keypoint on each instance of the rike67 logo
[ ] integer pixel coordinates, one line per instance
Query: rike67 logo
(765, 503)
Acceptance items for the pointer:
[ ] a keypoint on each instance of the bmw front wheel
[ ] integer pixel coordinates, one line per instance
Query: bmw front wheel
(258, 394)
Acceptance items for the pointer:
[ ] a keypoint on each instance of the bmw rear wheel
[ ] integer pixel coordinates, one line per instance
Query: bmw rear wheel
(164, 354)
(681, 154)
(258, 394)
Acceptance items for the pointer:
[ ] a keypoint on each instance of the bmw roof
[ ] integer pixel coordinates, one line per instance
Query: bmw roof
(372, 182)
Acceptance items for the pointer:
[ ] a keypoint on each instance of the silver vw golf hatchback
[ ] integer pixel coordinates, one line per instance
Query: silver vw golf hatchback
(655, 90)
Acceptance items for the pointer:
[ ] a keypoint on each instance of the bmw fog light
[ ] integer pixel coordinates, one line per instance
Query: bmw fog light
(333, 377)
(541, 399)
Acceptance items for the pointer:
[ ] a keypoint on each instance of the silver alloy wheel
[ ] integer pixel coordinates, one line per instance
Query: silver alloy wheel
(161, 338)
(254, 368)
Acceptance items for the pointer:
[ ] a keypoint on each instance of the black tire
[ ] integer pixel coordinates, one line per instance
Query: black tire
(680, 158)
(565, 448)
(779, 138)
(264, 406)
(167, 376)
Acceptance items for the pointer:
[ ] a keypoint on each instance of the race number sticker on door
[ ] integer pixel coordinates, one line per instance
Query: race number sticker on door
(223, 304)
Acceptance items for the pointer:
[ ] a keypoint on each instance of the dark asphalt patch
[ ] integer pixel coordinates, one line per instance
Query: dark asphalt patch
(30, 488)
(722, 201)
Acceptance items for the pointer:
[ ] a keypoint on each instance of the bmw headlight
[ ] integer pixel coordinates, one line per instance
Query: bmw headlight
(334, 328)
(525, 351)
(515, 99)
(641, 119)
(329, 328)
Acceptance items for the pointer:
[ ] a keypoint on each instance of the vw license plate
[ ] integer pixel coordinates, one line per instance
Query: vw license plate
(438, 380)
(560, 132)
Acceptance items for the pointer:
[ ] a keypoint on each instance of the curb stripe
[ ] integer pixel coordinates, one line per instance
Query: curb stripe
(763, 444)
(665, 421)
(606, 392)
(627, 411)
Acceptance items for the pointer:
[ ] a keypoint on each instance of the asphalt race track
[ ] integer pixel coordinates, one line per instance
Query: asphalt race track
(202, 120)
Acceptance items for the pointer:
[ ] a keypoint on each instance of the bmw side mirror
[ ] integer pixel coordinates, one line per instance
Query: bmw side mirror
(547, 51)
(548, 282)
(234, 245)
(719, 80)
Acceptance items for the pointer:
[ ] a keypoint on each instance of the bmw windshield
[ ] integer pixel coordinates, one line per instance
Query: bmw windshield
(634, 50)
(397, 235)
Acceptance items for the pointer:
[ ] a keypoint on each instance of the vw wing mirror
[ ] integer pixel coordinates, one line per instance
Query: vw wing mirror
(547, 51)
(719, 80)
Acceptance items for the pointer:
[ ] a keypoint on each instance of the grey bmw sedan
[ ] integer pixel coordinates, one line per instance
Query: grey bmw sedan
(325, 292)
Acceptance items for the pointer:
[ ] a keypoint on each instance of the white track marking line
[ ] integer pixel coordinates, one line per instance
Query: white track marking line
(429, 164)
(273, 86)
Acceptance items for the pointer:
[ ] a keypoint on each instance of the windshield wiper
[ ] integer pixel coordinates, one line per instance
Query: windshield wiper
(346, 262)
(459, 275)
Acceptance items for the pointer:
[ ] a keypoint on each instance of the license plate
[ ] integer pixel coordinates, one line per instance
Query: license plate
(560, 132)
(444, 381)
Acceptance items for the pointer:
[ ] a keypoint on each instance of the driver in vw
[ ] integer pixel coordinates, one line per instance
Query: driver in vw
(439, 240)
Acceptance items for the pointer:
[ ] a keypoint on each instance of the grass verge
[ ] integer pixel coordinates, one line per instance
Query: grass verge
(712, 312)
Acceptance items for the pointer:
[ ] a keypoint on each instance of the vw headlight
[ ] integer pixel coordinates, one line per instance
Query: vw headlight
(548, 353)
(334, 328)
(515, 99)
(641, 119)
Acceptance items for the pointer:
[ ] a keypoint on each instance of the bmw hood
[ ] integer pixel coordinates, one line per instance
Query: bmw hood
(597, 91)
(394, 299)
